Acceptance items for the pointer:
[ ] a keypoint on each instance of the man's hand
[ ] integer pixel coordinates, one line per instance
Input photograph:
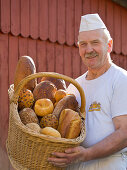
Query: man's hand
(71, 155)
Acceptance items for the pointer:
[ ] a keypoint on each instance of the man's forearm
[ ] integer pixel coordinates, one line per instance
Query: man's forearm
(111, 144)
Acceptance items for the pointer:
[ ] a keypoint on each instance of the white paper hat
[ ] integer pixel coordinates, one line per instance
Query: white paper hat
(91, 22)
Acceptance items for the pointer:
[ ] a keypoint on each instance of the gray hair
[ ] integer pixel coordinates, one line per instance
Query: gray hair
(107, 34)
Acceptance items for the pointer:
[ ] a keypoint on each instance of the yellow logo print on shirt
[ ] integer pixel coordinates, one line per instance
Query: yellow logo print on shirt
(94, 107)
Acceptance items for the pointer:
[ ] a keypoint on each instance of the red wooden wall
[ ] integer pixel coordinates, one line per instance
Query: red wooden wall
(47, 31)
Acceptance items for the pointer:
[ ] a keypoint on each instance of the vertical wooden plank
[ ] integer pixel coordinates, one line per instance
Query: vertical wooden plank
(4, 162)
(41, 56)
(125, 62)
(59, 65)
(5, 16)
(15, 17)
(67, 61)
(109, 17)
(124, 31)
(61, 21)
(86, 7)
(50, 56)
(13, 57)
(23, 49)
(94, 6)
(117, 30)
(115, 58)
(32, 50)
(34, 19)
(75, 62)
(101, 10)
(112, 57)
(25, 18)
(3, 98)
(70, 20)
(43, 19)
(78, 14)
(53, 20)
(121, 60)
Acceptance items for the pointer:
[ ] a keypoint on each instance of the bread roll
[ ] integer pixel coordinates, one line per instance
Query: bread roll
(34, 127)
(49, 120)
(50, 131)
(43, 107)
(69, 124)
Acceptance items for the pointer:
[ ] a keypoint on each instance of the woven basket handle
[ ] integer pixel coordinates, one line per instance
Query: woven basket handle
(54, 75)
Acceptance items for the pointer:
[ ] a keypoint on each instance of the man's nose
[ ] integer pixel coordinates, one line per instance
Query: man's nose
(89, 48)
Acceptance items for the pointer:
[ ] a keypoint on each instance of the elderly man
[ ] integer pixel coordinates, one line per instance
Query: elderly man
(105, 87)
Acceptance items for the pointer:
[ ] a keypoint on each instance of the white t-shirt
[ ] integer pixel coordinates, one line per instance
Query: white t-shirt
(106, 98)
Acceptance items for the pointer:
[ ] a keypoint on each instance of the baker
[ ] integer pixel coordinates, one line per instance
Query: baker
(105, 87)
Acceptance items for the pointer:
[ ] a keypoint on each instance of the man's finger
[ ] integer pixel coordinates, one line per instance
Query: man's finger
(57, 160)
(59, 155)
(62, 165)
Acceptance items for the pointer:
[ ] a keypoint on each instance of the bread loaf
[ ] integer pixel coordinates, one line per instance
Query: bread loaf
(59, 83)
(68, 102)
(45, 89)
(24, 68)
(69, 124)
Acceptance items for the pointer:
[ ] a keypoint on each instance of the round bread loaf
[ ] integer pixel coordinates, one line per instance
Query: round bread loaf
(59, 83)
(45, 89)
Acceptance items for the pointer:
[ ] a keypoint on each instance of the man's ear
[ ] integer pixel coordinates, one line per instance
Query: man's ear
(110, 45)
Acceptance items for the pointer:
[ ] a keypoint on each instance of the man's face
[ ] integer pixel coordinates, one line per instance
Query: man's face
(93, 48)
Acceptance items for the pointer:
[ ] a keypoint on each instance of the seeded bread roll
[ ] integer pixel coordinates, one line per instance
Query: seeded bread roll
(69, 124)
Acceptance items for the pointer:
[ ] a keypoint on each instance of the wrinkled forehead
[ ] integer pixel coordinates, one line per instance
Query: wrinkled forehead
(91, 35)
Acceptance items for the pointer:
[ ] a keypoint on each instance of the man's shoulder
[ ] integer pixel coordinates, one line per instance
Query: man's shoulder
(121, 72)
(81, 77)
(119, 76)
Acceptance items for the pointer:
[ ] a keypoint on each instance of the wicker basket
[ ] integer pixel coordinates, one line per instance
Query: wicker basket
(28, 150)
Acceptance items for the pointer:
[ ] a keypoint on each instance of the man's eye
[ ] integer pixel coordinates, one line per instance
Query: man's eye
(83, 44)
(95, 42)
